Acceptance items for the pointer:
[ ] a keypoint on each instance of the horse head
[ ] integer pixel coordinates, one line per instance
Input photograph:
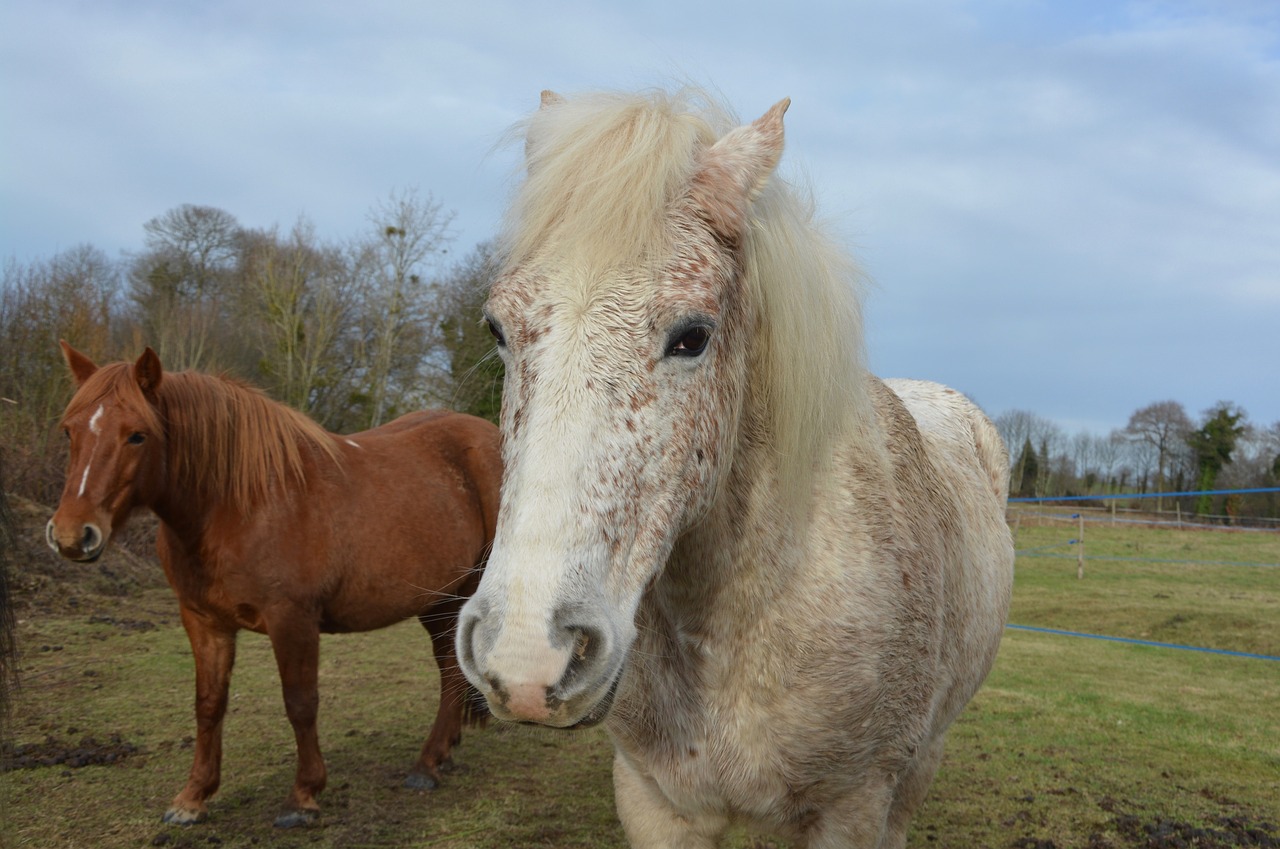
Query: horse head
(622, 322)
(116, 451)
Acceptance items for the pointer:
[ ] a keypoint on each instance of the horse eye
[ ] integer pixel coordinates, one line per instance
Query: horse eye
(496, 331)
(691, 343)
(136, 438)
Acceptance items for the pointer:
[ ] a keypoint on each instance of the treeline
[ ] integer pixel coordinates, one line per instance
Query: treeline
(1161, 449)
(353, 333)
(356, 332)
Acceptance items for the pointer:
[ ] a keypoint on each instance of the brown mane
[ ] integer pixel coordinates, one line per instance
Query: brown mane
(224, 437)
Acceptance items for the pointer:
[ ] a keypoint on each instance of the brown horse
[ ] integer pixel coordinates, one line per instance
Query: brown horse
(271, 523)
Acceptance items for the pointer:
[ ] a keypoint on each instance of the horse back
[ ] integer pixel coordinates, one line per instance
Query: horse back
(402, 523)
(440, 447)
(966, 477)
(957, 427)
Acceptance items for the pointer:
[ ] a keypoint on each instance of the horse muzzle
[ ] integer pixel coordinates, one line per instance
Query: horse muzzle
(564, 676)
(83, 542)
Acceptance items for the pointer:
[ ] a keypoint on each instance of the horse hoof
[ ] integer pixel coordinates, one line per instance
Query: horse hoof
(297, 819)
(182, 816)
(420, 781)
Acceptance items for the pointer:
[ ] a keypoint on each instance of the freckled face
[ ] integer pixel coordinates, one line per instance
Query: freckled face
(613, 412)
(618, 401)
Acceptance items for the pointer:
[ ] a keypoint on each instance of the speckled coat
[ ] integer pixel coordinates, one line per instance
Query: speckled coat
(775, 578)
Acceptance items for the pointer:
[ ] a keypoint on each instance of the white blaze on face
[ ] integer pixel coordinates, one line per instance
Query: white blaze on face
(546, 524)
(96, 429)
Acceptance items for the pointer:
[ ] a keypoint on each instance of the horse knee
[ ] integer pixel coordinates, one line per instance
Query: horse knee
(302, 708)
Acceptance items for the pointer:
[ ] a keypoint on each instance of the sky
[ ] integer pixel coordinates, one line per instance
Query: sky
(1067, 208)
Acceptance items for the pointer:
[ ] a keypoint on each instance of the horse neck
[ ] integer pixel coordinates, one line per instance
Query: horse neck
(184, 505)
(739, 542)
(752, 544)
(196, 484)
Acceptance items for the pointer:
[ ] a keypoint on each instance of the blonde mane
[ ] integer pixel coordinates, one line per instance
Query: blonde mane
(603, 173)
(224, 437)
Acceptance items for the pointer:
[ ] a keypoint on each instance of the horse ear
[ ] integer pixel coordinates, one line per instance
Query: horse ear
(148, 372)
(549, 100)
(81, 366)
(735, 169)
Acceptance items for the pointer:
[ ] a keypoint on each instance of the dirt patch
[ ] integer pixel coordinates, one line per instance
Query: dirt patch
(1136, 832)
(55, 752)
(43, 584)
(1224, 832)
(134, 625)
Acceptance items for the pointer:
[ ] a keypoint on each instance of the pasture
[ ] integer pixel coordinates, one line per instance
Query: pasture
(1071, 743)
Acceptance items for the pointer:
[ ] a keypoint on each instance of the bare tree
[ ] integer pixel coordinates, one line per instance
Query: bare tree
(1110, 454)
(301, 300)
(180, 281)
(474, 367)
(409, 232)
(1163, 427)
(71, 296)
(1017, 427)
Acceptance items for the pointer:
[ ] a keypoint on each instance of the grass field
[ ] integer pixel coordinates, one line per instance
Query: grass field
(1072, 742)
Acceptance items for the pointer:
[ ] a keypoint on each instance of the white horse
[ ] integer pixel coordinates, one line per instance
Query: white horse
(775, 578)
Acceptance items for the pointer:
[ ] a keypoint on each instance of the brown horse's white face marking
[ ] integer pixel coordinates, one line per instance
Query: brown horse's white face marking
(114, 447)
(623, 389)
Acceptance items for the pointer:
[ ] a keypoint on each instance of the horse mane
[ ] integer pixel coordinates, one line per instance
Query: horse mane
(603, 174)
(225, 437)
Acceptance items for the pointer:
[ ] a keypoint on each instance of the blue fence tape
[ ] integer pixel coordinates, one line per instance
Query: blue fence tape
(1141, 642)
(1128, 495)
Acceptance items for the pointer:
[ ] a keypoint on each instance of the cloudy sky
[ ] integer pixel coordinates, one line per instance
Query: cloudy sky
(1071, 208)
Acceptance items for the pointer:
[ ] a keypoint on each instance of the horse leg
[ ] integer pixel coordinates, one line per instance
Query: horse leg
(214, 651)
(295, 640)
(911, 792)
(446, 731)
(857, 820)
(650, 821)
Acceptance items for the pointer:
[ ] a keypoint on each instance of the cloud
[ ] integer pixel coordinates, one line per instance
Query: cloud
(1045, 193)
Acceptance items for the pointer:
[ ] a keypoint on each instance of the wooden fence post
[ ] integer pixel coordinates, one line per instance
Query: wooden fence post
(1080, 549)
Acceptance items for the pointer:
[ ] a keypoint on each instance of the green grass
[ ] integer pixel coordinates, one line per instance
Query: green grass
(1068, 736)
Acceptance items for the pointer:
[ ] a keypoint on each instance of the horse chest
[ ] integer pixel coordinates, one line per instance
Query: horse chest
(708, 729)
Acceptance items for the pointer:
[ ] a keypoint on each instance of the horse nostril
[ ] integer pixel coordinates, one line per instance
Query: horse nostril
(587, 647)
(473, 641)
(92, 539)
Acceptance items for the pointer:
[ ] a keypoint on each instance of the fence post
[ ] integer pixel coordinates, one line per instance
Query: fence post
(1080, 550)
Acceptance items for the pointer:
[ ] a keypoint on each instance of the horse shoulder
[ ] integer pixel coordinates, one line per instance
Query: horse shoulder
(960, 433)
